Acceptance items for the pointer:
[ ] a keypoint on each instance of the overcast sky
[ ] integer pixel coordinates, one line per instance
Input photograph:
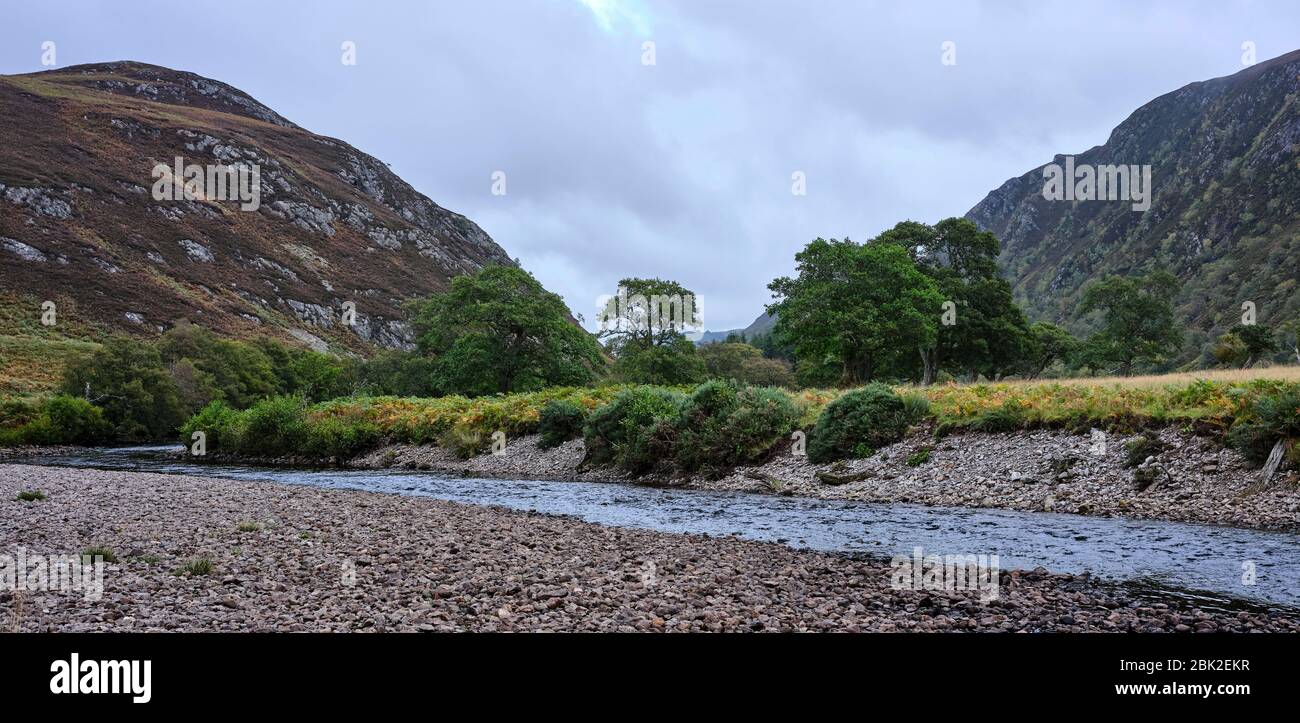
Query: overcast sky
(682, 169)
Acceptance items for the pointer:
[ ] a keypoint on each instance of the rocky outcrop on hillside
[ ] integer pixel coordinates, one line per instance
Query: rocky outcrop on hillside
(334, 230)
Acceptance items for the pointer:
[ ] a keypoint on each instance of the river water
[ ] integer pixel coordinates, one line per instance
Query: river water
(1153, 558)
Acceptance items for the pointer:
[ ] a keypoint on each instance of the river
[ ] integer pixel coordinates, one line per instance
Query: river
(1157, 559)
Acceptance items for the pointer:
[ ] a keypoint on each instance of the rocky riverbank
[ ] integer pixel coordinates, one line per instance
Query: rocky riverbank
(28, 451)
(1191, 478)
(287, 558)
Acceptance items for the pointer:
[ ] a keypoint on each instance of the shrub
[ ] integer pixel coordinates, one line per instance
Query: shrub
(723, 424)
(873, 416)
(128, 380)
(1139, 448)
(31, 496)
(560, 421)
(634, 430)
(464, 441)
(60, 419)
(917, 406)
(221, 426)
(273, 427)
(1271, 418)
(918, 458)
(249, 526)
(76, 421)
(332, 437)
(1007, 418)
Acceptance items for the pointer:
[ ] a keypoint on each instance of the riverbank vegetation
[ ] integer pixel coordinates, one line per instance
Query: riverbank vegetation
(718, 425)
(915, 327)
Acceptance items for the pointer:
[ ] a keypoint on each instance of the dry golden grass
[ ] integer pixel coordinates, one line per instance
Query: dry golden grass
(1283, 373)
(34, 365)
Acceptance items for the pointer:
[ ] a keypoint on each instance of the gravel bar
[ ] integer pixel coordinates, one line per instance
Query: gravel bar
(289, 558)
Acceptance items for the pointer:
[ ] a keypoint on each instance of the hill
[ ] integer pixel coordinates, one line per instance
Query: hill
(80, 224)
(1224, 212)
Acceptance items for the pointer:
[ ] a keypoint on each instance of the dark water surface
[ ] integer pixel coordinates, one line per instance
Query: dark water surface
(1157, 559)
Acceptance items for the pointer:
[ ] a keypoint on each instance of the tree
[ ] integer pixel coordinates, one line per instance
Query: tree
(651, 312)
(1137, 320)
(744, 363)
(671, 363)
(772, 347)
(1291, 337)
(644, 328)
(1245, 344)
(1048, 344)
(862, 308)
(397, 372)
(989, 334)
(313, 375)
(127, 379)
(500, 331)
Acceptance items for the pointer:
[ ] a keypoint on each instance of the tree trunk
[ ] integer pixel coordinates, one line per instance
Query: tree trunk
(927, 361)
(1270, 468)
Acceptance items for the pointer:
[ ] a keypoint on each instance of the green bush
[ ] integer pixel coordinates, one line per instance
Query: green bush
(1271, 418)
(1007, 418)
(60, 419)
(463, 441)
(634, 431)
(222, 427)
(724, 424)
(1137, 450)
(274, 427)
(196, 566)
(917, 406)
(101, 552)
(560, 421)
(331, 437)
(873, 416)
(76, 421)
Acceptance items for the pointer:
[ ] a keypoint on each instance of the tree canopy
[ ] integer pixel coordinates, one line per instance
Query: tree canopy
(500, 331)
(863, 309)
(1137, 320)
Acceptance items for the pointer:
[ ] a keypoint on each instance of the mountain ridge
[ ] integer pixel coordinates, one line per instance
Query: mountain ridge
(1224, 213)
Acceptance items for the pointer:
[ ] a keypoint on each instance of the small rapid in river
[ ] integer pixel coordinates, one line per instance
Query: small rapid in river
(1154, 558)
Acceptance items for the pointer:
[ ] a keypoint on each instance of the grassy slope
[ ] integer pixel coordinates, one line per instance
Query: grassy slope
(32, 356)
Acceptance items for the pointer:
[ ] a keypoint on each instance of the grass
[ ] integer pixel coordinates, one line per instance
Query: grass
(919, 457)
(33, 365)
(249, 526)
(104, 552)
(197, 566)
(32, 355)
(31, 496)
